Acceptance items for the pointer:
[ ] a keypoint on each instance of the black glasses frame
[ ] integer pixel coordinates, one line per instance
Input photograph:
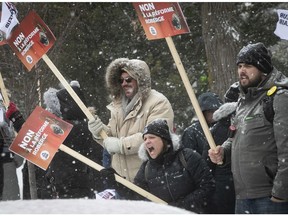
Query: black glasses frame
(127, 79)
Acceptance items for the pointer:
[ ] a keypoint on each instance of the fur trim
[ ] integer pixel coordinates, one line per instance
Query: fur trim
(137, 69)
(143, 155)
(92, 110)
(75, 83)
(52, 102)
(72, 83)
(224, 111)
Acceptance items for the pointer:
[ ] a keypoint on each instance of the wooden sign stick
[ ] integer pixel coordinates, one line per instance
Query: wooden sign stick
(190, 92)
(4, 92)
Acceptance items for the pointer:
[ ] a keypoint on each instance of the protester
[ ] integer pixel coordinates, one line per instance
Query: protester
(223, 199)
(67, 176)
(258, 150)
(193, 136)
(17, 119)
(9, 162)
(134, 105)
(176, 175)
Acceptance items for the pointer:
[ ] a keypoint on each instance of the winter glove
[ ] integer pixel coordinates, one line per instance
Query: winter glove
(14, 115)
(12, 111)
(113, 145)
(108, 178)
(95, 126)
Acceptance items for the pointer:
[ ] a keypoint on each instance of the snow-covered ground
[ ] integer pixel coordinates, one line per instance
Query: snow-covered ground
(84, 206)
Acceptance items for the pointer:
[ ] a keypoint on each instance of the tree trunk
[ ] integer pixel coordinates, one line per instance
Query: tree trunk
(221, 45)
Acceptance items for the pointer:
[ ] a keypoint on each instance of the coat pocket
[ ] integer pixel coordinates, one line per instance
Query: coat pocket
(254, 124)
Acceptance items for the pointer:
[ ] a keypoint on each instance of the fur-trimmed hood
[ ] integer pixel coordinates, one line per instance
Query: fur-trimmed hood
(143, 155)
(224, 111)
(52, 102)
(137, 69)
(60, 102)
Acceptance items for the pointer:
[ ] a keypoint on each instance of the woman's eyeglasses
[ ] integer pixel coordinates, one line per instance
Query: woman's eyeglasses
(127, 79)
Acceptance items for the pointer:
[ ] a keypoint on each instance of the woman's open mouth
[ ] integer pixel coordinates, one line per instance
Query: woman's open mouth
(150, 149)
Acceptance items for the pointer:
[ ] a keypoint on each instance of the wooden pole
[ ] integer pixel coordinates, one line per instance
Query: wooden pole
(4, 91)
(31, 166)
(190, 92)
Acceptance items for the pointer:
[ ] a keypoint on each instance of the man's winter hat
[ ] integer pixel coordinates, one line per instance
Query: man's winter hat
(158, 127)
(257, 55)
(209, 101)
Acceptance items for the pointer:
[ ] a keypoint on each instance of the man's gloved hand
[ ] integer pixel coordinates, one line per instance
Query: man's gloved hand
(95, 126)
(112, 145)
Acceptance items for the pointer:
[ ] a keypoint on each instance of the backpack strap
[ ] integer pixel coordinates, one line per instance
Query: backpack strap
(268, 103)
(268, 108)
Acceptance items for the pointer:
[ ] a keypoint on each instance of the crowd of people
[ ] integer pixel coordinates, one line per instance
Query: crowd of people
(246, 172)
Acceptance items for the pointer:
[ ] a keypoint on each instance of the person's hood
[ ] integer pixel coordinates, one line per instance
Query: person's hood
(60, 102)
(224, 111)
(209, 101)
(52, 102)
(143, 155)
(137, 69)
(278, 79)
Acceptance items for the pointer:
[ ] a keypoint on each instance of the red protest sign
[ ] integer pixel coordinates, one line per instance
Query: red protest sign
(40, 137)
(31, 39)
(160, 20)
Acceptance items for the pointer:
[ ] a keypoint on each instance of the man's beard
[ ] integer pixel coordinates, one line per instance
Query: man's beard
(252, 83)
